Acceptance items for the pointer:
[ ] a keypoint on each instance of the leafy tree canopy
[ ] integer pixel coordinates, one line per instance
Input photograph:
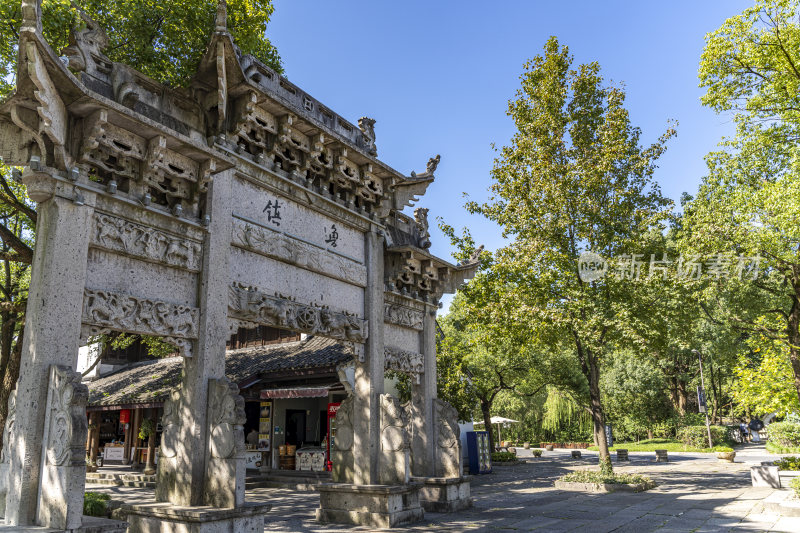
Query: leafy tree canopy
(164, 40)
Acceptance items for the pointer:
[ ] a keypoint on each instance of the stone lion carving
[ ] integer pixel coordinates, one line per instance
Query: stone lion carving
(421, 218)
(448, 442)
(226, 418)
(394, 436)
(67, 399)
(85, 44)
(9, 427)
(343, 441)
(170, 423)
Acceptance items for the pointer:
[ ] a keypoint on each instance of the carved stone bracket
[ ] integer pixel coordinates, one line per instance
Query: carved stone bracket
(106, 311)
(249, 306)
(119, 235)
(276, 245)
(401, 315)
(50, 108)
(410, 363)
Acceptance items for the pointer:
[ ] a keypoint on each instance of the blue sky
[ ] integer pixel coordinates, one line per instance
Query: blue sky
(437, 77)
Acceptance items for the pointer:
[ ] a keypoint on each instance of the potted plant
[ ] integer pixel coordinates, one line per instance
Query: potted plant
(724, 453)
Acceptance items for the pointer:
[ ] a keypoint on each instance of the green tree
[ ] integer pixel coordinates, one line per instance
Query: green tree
(163, 40)
(765, 382)
(574, 178)
(747, 205)
(635, 395)
(492, 364)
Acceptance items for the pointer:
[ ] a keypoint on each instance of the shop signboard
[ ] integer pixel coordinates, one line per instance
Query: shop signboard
(332, 409)
(265, 427)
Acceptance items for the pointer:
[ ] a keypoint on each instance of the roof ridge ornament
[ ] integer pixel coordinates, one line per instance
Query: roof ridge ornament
(32, 15)
(367, 127)
(433, 162)
(222, 17)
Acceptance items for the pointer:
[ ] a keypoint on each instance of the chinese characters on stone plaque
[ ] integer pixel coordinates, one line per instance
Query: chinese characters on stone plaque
(331, 236)
(273, 211)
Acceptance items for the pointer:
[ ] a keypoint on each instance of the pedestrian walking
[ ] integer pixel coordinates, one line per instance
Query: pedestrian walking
(744, 431)
(755, 426)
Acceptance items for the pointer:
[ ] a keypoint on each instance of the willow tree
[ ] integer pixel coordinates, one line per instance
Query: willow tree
(574, 178)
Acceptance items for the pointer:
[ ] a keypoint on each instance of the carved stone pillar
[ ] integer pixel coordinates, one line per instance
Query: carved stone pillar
(182, 467)
(369, 371)
(64, 455)
(423, 395)
(52, 328)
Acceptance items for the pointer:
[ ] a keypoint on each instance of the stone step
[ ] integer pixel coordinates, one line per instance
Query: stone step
(303, 481)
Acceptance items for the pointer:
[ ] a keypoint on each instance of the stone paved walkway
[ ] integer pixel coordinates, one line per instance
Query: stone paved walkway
(696, 493)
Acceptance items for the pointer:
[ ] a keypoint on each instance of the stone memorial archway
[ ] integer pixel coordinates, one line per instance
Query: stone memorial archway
(186, 214)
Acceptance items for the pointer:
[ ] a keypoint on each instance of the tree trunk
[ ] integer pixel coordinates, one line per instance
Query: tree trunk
(486, 407)
(137, 420)
(9, 379)
(150, 466)
(683, 396)
(94, 440)
(598, 417)
(650, 433)
(793, 334)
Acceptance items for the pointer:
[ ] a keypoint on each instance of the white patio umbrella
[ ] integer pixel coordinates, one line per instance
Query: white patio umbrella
(499, 420)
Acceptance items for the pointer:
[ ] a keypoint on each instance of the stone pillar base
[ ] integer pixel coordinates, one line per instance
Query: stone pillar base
(444, 495)
(89, 524)
(160, 517)
(381, 506)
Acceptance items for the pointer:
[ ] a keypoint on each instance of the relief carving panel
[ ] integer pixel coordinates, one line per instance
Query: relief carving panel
(119, 235)
(401, 315)
(405, 362)
(247, 306)
(106, 311)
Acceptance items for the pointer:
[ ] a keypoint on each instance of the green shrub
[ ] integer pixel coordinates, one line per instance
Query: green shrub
(503, 457)
(697, 436)
(722, 449)
(593, 476)
(788, 463)
(537, 453)
(94, 504)
(785, 434)
(774, 448)
(795, 484)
